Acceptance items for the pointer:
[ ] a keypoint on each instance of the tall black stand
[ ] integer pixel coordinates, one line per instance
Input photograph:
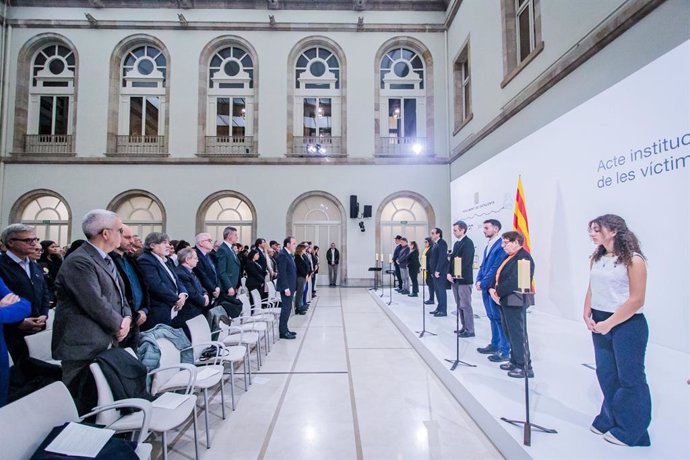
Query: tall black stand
(424, 331)
(456, 362)
(376, 269)
(527, 438)
(390, 272)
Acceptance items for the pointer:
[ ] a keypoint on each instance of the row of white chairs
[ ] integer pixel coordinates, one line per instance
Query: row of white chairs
(231, 345)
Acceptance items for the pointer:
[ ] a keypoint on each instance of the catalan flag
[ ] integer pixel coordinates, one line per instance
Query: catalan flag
(520, 223)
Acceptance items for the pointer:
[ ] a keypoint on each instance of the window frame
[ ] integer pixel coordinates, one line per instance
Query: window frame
(513, 62)
(462, 86)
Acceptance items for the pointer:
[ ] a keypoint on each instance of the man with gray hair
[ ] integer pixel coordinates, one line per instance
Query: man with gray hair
(24, 277)
(92, 314)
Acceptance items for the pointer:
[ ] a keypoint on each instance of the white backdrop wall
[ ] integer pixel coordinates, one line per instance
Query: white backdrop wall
(565, 168)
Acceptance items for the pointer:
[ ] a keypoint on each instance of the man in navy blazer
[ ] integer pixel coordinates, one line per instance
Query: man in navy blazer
(165, 288)
(205, 270)
(23, 277)
(499, 348)
(438, 264)
(286, 284)
(228, 264)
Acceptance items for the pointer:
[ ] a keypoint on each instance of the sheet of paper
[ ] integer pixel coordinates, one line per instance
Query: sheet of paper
(173, 313)
(206, 372)
(80, 440)
(169, 400)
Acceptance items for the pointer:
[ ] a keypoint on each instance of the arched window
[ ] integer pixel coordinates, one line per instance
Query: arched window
(403, 97)
(228, 209)
(407, 215)
(319, 217)
(48, 213)
(143, 104)
(141, 211)
(231, 100)
(51, 101)
(318, 101)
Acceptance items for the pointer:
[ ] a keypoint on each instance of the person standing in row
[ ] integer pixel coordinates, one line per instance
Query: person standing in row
(438, 266)
(413, 267)
(228, 264)
(333, 259)
(286, 284)
(462, 287)
(613, 312)
(428, 279)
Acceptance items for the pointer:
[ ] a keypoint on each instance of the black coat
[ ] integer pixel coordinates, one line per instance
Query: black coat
(206, 272)
(194, 305)
(146, 300)
(302, 266)
(465, 250)
(256, 276)
(413, 263)
(163, 290)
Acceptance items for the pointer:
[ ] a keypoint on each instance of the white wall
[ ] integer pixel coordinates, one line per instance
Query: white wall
(270, 188)
(559, 166)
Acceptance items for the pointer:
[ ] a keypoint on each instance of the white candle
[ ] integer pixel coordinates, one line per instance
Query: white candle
(424, 262)
(377, 256)
(524, 283)
(457, 267)
(390, 258)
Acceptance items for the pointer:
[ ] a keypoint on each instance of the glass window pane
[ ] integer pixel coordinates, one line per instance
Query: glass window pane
(407, 54)
(410, 117)
(135, 115)
(310, 53)
(238, 116)
(223, 116)
(225, 53)
(246, 61)
(45, 119)
(324, 54)
(524, 37)
(309, 117)
(61, 114)
(152, 109)
(394, 116)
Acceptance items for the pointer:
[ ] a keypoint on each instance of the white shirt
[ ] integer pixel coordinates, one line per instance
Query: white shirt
(24, 263)
(610, 284)
(162, 262)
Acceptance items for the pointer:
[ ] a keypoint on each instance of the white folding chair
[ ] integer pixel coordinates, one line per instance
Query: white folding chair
(162, 419)
(268, 315)
(202, 339)
(25, 423)
(173, 379)
(39, 345)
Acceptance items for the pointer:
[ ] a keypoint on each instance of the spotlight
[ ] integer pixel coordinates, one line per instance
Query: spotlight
(417, 149)
(91, 19)
(182, 19)
(361, 225)
(271, 20)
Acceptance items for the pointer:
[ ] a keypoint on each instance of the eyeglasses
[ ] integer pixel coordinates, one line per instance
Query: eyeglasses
(26, 240)
(119, 230)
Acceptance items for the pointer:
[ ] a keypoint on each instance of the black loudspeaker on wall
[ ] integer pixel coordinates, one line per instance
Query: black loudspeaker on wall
(354, 207)
(367, 211)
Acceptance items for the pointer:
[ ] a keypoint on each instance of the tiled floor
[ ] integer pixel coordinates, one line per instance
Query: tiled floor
(349, 387)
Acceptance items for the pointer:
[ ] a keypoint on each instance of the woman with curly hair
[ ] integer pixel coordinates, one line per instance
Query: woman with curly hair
(613, 313)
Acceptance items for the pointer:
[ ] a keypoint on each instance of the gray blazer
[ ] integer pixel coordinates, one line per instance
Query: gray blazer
(90, 306)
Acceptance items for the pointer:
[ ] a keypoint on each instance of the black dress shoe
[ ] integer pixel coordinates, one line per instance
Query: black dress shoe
(465, 334)
(429, 302)
(460, 331)
(440, 313)
(293, 333)
(288, 336)
(520, 374)
(508, 366)
(301, 312)
(412, 295)
(433, 312)
(499, 358)
(487, 350)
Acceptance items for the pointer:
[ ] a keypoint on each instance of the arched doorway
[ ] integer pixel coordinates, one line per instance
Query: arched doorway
(320, 218)
(407, 214)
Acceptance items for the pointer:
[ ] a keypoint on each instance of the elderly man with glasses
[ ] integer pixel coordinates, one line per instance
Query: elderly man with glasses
(24, 277)
(92, 314)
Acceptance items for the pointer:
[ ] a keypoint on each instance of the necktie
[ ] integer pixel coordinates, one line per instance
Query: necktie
(210, 262)
(109, 263)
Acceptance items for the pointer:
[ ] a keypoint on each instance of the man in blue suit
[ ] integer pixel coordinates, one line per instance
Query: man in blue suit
(228, 264)
(286, 284)
(206, 269)
(499, 348)
(438, 265)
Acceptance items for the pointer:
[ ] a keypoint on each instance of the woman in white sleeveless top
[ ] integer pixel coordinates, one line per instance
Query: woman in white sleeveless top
(613, 312)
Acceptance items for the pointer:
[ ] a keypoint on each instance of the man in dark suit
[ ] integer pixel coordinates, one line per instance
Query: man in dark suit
(92, 313)
(333, 259)
(499, 348)
(396, 254)
(205, 270)
(438, 265)
(461, 283)
(166, 290)
(198, 301)
(228, 264)
(136, 291)
(24, 277)
(286, 284)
